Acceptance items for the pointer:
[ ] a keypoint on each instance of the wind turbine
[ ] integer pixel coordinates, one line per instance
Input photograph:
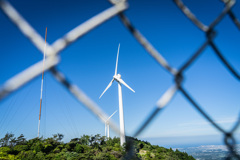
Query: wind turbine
(44, 57)
(117, 78)
(107, 125)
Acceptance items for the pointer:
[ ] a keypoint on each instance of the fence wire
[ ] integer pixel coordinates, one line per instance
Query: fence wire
(117, 9)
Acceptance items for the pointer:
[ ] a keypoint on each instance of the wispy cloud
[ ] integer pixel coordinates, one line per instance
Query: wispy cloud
(195, 128)
(229, 120)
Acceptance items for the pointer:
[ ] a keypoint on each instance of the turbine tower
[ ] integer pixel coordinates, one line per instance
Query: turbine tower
(107, 125)
(117, 78)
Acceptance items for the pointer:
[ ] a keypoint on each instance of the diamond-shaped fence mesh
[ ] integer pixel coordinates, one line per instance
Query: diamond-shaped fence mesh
(117, 9)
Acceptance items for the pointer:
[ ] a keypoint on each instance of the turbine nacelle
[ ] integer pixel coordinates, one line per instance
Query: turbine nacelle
(117, 77)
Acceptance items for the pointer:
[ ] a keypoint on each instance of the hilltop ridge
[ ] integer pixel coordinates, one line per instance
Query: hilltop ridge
(86, 147)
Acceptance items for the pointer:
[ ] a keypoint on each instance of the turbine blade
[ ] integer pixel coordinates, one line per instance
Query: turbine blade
(117, 60)
(125, 84)
(111, 115)
(109, 85)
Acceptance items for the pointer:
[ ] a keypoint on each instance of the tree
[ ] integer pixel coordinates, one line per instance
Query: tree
(19, 148)
(12, 142)
(4, 152)
(58, 137)
(21, 140)
(85, 140)
(7, 140)
(79, 148)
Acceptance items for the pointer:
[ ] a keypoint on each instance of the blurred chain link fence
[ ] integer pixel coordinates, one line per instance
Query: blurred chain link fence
(117, 9)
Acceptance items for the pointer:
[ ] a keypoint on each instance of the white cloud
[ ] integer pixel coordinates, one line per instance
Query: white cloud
(205, 123)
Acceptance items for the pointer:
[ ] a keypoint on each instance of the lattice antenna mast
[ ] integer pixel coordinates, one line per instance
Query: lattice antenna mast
(44, 56)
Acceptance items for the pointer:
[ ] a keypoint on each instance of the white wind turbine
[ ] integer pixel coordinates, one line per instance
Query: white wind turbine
(107, 125)
(117, 78)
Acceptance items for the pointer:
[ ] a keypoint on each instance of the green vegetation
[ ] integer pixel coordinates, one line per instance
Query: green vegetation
(87, 147)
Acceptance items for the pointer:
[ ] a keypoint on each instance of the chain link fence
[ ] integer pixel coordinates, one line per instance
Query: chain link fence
(117, 9)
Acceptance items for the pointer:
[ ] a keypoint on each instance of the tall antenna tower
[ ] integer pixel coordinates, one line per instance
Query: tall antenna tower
(44, 56)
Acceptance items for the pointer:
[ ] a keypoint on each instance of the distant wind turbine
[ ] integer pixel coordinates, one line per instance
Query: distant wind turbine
(117, 78)
(107, 125)
(44, 57)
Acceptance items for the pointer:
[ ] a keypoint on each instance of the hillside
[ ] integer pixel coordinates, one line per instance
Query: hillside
(87, 147)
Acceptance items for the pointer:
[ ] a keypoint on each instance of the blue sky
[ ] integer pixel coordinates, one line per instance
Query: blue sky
(90, 62)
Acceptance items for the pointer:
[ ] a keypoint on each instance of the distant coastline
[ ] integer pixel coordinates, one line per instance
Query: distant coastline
(210, 152)
(188, 141)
